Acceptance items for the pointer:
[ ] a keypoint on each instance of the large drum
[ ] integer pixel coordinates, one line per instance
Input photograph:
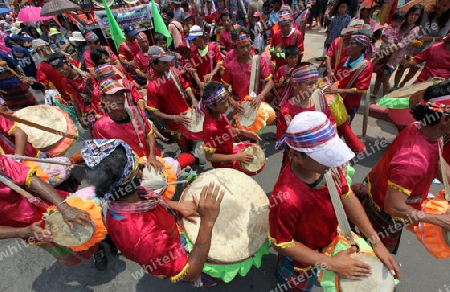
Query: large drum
(259, 158)
(403, 117)
(78, 238)
(435, 239)
(380, 280)
(239, 236)
(195, 129)
(252, 119)
(52, 117)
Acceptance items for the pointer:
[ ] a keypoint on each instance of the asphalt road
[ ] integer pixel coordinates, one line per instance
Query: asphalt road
(32, 269)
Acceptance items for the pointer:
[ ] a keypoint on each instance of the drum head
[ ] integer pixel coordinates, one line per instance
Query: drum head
(196, 125)
(152, 175)
(247, 118)
(44, 115)
(66, 236)
(259, 158)
(379, 281)
(100, 3)
(407, 91)
(243, 223)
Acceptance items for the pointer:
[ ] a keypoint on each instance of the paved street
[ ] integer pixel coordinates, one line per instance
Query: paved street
(32, 269)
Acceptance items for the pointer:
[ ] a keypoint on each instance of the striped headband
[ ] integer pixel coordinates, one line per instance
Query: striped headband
(104, 72)
(95, 151)
(304, 73)
(91, 36)
(208, 101)
(141, 36)
(307, 141)
(284, 16)
(438, 104)
(242, 38)
(362, 40)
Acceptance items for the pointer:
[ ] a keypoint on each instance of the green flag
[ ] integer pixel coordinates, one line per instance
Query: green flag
(159, 24)
(114, 29)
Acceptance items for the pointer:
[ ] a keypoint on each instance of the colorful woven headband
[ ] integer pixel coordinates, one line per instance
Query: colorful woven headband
(284, 16)
(438, 104)
(214, 98)
(104, 72)
(362, 40)
(142, 36)
(95, 151)
(242, 38)
(307, 141)
(91, 36)
(305, 73)
(109, 84)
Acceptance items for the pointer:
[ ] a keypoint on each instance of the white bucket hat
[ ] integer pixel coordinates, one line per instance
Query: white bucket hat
(77, 37)
(312, 133)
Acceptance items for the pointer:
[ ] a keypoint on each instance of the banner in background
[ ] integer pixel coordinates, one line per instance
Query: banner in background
(125, 15)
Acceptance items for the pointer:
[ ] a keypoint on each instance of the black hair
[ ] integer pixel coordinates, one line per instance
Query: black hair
(225, 14)
(399, 15)
(343, 2)
(277, 1)
(96, 55)
(211, 87)
(185, 4)
(159, 37)
(291, 50)
(170, 14)
(236, 32)
(108, 172)
(304, 64)
(441, 21)
(423, 113)
(413, 9)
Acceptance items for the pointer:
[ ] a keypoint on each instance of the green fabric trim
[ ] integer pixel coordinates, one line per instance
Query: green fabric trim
(328, 281)
(394, 103)
(203, 52)
(228, 272)
(350, 173)
(59, 252)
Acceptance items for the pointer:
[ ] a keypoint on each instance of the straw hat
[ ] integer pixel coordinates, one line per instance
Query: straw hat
(77, 37)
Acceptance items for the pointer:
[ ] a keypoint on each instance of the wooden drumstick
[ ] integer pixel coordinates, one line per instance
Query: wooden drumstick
(32, 199)
(43, 160)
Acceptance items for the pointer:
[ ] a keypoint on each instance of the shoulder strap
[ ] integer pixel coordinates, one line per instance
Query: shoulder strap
(358, 72)
(319, 101)
(294, 40)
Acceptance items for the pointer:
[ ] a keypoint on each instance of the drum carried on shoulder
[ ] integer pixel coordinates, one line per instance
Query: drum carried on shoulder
(239, 238)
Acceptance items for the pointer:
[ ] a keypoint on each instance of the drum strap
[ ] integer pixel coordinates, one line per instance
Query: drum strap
(177, 82)
(358, 72)
(133, 117)
(32, 199)
(319, 101)
(443, 173)
(37, 126)
(339, 209)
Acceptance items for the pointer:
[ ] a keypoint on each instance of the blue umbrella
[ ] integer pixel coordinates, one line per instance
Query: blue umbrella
(4, 10)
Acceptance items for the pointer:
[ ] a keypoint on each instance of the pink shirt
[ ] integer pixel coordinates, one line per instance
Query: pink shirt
(238, 76)
(437, 59)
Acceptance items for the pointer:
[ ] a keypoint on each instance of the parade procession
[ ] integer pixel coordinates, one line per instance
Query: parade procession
(245, 145)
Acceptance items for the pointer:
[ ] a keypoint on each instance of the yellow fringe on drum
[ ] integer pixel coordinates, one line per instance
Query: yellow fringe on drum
(180, 275)
(170, 177)
(39, 170)
(95, 211)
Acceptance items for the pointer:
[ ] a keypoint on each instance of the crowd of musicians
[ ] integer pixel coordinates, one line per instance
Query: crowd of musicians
(130, 97)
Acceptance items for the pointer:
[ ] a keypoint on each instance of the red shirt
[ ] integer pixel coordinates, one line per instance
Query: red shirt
(150, 239)
(437, 59)
(279, 40)
(281, 74)
(163, 95)
(410, 163)
(225, 41)
(106, 128)
(83, 94)
(49, 77)
(301, 213)
(361, 83)
(238, 76)
(218, 138)
(128, 50)
(7, 142)
(337, 51)
(204, 65)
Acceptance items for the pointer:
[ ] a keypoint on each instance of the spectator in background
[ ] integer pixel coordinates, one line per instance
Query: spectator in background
(175, 29)
(338, 23)
(178, 11)
(255, 6)
(57, 41)
(44, 33)
(129, 49)
(226, 44)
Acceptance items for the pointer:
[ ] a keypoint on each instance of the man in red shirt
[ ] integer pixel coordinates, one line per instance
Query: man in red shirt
(226, 44)
(129, 49)
(205, 57)
(167, 92)
(287, 35)
(143, 73)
